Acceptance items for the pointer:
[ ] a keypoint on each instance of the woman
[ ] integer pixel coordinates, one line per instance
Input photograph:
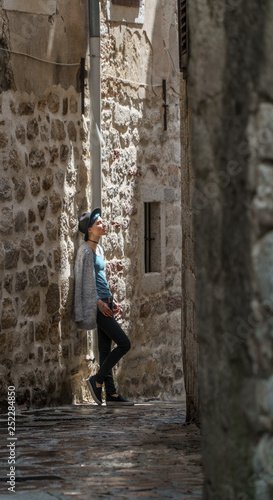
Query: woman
(95, 306)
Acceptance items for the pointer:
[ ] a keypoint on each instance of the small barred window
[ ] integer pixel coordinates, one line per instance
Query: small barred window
(183, 34)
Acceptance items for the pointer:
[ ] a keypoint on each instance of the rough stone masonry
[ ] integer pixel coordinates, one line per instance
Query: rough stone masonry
(45, 183)
(230, 84)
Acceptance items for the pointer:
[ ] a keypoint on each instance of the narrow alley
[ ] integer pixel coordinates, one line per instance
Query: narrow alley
(90, 452)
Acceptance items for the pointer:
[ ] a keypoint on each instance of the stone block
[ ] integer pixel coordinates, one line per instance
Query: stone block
(145, 309)
(26, 108)
(20, 281)
(174, 237)
(41, 331)
(64, 152)
(8, 282)
(39, 239)
(44, 133)
(42, 206)
(47, 182)
(55, 202)
(37, 159)
(20, 133)
(54, 334)
(31, 216)
(42, 104)
(40, 256)
(173, 303)
(51, 230)
(11, 255)
(153, 283)
(3, 141)
(169, 195)
(32, 304)
(73, 105)
(5, 190)
(20, 189)
(59, 178)
(160, 307)
(27, 251)
(130, 208)
(174, 324)
(32, 129)
(34, 184)
(12, 107)
(6, 221)
(53, 102)
(8, 314)
(54, 154)
(20, 222)
(121, 115)
(72, 132)
(17, 339)
(57, 130)
(53, 298)
(173, 175)
(14, 160)
(37, 276)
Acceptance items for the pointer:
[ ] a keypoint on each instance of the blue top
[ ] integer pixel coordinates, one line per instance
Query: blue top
(103, 290)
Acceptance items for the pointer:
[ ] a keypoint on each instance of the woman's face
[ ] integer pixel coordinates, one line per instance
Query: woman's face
(98, 228)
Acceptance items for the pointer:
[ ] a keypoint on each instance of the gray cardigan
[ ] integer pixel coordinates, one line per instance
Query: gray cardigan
(85, 293)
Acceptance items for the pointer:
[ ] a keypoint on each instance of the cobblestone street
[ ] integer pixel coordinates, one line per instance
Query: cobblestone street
(91, 452)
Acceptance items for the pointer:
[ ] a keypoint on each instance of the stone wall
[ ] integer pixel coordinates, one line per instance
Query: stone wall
(232, 112)
(42, 189)
(45, 185)
(190, 348)
(141, 163)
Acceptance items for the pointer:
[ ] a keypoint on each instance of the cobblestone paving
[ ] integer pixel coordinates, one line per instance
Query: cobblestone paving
(91, 452)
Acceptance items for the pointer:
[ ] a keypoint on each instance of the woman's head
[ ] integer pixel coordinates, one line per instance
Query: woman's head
(97, 229)
(92, 221)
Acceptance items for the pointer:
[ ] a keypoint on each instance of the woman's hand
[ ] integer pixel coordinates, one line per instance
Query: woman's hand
(104, 309)
(117, 309)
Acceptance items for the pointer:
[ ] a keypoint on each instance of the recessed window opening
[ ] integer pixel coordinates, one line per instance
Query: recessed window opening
(126, 3)
(152, 237)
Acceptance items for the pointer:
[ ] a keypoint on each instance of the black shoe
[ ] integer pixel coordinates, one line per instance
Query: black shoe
(95, 391)
(118, 401)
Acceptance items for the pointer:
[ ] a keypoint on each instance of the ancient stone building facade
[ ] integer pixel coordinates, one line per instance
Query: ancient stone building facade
(141, 164)
(230, 87)
(45, 184)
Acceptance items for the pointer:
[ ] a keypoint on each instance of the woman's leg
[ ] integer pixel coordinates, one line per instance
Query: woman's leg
(104, 344)
(109, 328)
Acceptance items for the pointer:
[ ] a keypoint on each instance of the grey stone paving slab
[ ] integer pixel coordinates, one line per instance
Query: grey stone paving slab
(91, 452)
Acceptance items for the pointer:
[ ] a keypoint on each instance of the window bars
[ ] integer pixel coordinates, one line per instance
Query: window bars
(183, 26)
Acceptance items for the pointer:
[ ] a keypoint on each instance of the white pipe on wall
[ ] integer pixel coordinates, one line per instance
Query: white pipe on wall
(95, 101)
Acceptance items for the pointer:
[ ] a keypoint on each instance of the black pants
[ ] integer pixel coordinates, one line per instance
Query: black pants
(108, 331)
